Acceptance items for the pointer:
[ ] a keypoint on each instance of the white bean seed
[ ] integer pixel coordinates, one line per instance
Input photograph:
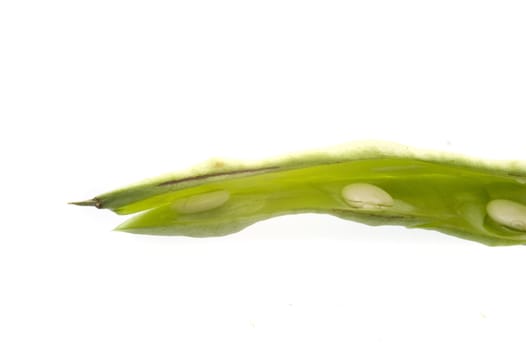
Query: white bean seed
(366, 196)
(508, 213)
(201, 202)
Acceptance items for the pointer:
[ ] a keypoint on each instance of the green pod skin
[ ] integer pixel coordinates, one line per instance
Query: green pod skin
(372, 183)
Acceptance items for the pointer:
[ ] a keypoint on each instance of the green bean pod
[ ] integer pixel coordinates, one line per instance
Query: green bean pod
(373, 183)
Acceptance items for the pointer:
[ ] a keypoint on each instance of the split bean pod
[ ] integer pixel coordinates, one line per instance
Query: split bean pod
(373, 183)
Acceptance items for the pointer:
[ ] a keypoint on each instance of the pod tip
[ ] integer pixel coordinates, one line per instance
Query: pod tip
(88, 203)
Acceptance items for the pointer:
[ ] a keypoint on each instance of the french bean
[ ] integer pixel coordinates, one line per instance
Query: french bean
(373, 183)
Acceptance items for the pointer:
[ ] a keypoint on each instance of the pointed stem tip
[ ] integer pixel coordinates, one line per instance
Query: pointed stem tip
(88, 203)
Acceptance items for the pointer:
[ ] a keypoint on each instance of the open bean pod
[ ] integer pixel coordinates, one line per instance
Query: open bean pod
(373, 183)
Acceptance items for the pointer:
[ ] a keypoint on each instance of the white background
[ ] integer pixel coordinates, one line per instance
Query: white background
(97, 94)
